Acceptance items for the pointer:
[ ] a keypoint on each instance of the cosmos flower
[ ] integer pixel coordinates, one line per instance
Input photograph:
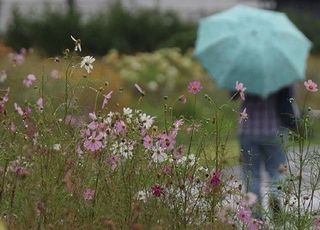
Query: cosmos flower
(31, 78)
(89, 194)
(240, 88)
(243, 115)
(87, 63)
(77, 43)
(195, 87)
(106, 99)
(311, 86)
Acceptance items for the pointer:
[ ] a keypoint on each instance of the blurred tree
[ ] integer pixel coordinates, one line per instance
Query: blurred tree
(71, 6)
(305, 6)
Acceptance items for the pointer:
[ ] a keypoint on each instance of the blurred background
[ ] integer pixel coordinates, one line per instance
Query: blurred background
(149, 42)
(128, 26)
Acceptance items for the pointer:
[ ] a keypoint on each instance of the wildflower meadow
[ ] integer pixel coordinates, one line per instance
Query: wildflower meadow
(148, 143)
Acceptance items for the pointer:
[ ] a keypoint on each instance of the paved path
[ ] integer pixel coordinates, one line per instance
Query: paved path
(311, 173)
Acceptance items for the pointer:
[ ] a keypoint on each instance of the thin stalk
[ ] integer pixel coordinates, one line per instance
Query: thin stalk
(96, 186)
(3, 181)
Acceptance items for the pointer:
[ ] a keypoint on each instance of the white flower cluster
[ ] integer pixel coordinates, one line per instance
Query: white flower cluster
(124, 148)
(190, 160)
(158, 154)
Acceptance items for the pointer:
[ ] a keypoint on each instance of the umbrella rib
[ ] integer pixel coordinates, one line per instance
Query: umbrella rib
(280, 51)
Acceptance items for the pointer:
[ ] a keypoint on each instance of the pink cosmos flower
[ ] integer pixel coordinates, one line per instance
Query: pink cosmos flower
(183, 99)
(157, 190)
(147, 142)
(225, 214)
(245, 215)
(94, 142)
(177, 125)
(93, 125)
(22, 171)
(89, 194)
(179, 152)
(249, 199)
(13, 127)
(18, 109)
(114, 161)
(195, 87)
(55, 74)
(106, 99)
(167, 170)
(79, 151)
(40, 104)
(120, 127)
(73, 121)
(215, 179)
(23, 51)
(240, 88)
(68, 181)
(311, 86)
(243, 115)
(29, 80)
(17, 59)
(93, 116)
(316, 224)
(255, 225)
(4, 100)
(167, 141)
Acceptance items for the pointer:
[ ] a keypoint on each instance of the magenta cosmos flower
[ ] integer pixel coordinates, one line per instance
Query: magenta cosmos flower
(195, 87)
(311, 86)
(215, 180)
(167, 141)
(157, 190)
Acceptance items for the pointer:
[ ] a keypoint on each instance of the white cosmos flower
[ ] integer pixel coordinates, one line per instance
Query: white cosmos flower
(87, 63)
(3, 76)
(57, 147)
(159, 154)
(77, 44)
(147, 120)
(142, 196)
(127, 112)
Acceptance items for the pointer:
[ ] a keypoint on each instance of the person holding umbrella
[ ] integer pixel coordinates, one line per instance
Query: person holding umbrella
(264, 54)
(260, 142)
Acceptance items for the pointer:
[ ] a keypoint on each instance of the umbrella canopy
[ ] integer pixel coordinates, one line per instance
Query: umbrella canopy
(260, 48)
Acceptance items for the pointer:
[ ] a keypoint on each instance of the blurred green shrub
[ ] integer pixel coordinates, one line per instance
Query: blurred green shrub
(309, 25)
(46, 32)
(19, 32)
(114, 28)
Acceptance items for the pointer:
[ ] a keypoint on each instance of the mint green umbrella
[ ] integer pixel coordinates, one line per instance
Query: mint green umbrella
(259, 48)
